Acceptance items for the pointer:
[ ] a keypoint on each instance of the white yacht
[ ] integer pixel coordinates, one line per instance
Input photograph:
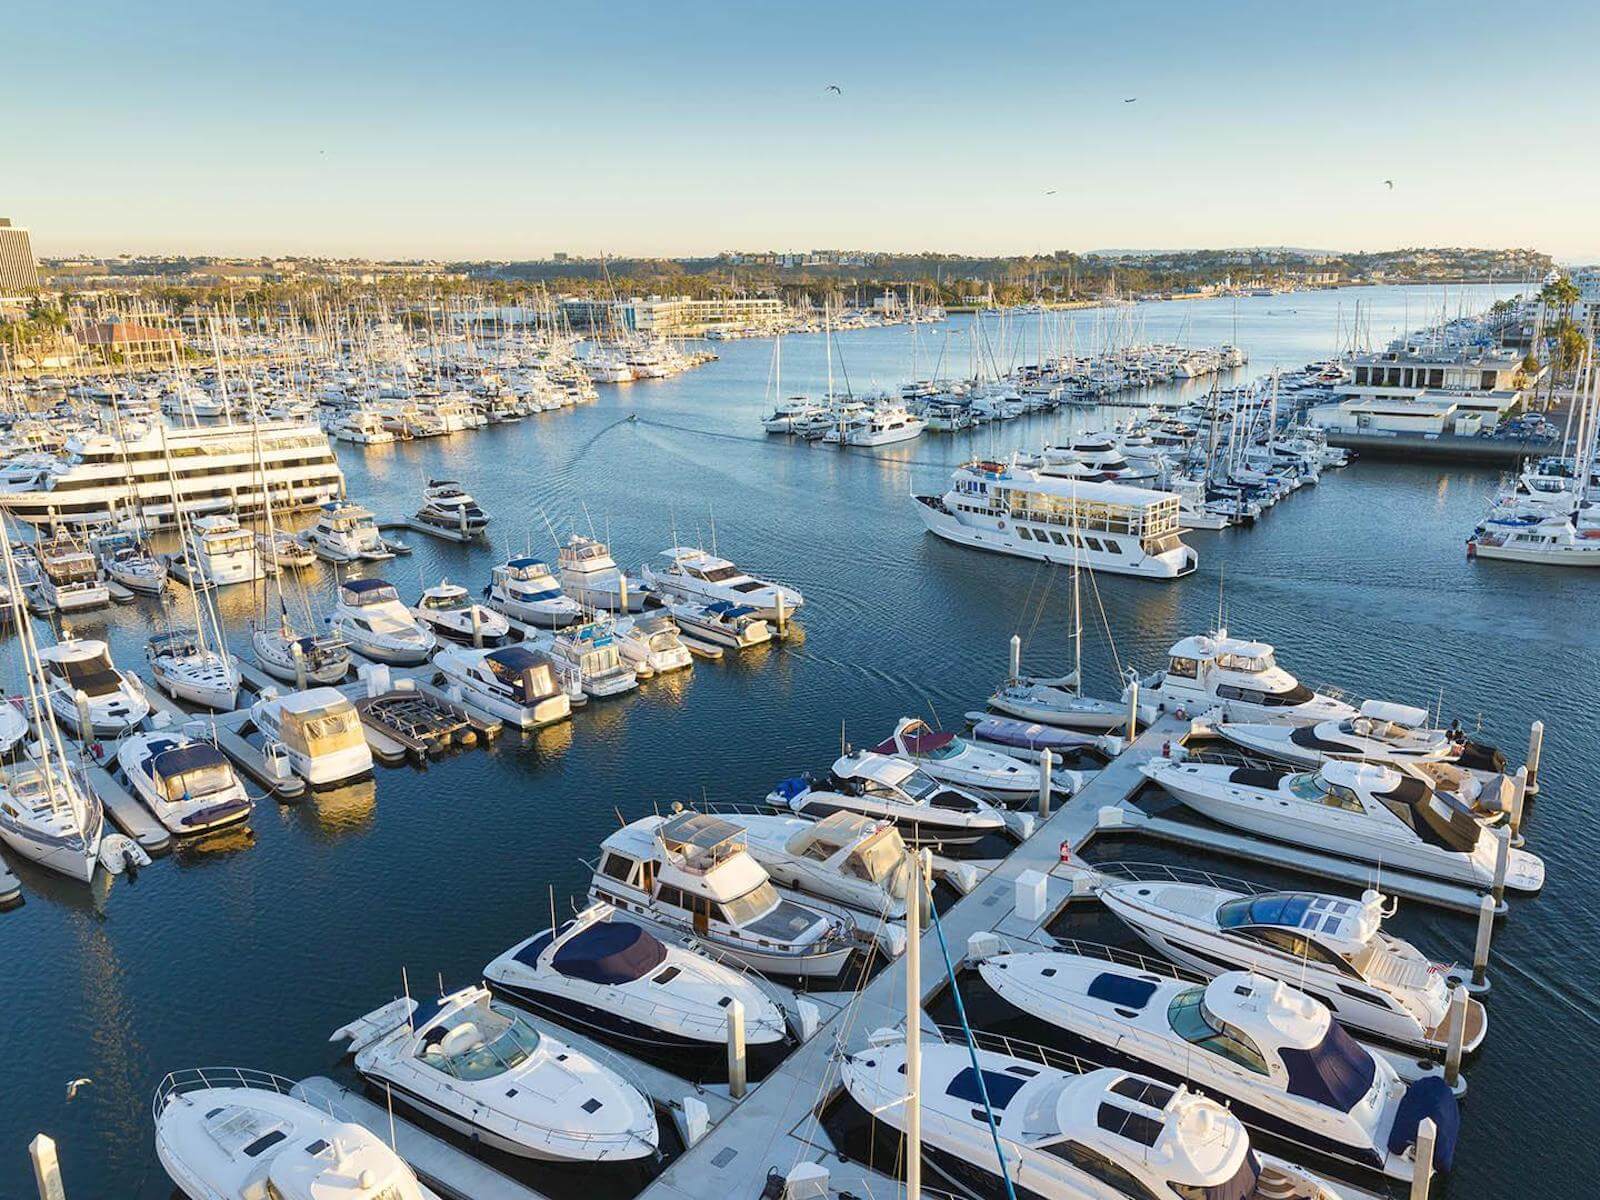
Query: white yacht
(650, 643)
(231, 1133)
(1104, 526)
(361, 427)
(446, 506)
(697, 576)
(189, 786)
(1274, 1055)
(615, 980)
(69, 577)
(591, 576)
(1383, 732)
(691, 874)
(1370, 813)
(525, 590)
(846, 858)
(1241, 678)
(891, 789)
(451, 614)
(587, 659)
(482, 1068)
(346, 532)
(883, 424)
(219, 552)
(722, 622)
(373, 621)
(126, 560)
(793, 415)
(1058, 701)
(50, 815)
(515, 683)
(186, 668)
(116, 702)
(1553, 541)
(320, 732)
(954, 760)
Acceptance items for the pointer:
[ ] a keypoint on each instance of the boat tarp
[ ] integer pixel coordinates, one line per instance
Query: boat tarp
(916, 743)
(609, 953)
(1337, 1071)
(1428, 1097)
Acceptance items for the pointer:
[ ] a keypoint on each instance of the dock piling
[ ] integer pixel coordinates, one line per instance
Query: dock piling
(298, 653)
(1016, 656)
(1422, 1175)
(1044, 785)
(46, 1167)
(622, 593)
(782, 615)
(1502, 861)
(1133, 709)
(1480, 950)
(1535, 749)
(736, 1057)
(1458, 1034)
(477, 619)
(85, 723)
(1519, 801)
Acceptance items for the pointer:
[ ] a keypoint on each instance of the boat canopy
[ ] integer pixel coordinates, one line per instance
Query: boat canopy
(1398, 714)
(610, 952)
(368, 591)
(195, 769)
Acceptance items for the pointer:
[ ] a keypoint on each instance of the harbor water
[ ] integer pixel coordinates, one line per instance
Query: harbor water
(252, 951)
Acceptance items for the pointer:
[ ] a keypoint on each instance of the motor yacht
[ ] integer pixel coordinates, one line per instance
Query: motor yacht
(591, 577)
(1367, 812)
(1552, 541)
(846, 858)
(481, 1067)
(954, 760)
(690, 873)
(319, 731)
(698, 577)
(373, 622)
(722, 623)
(345, 532)
(186, 668)
(115, 701)
(615, 980)
(793, 415)
(190, 786)
(515, 683)
(127, 561)
(450, 613)
(446, 506)
(1243, 679)
(361, 427)
(525, 590)
(649, 642)
(219, 552)
(587, 659)
(232, 1133)
(1383, 732)
(1330, 947)
(891, 789)
(69, 577)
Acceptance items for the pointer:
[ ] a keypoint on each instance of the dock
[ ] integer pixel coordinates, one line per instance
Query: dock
(227, 730)
(10, 887)
(461, 537)
(125, 811)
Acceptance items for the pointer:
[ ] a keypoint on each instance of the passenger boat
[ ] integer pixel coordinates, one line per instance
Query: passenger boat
(373, 621)
(525, 590)
(587, 659)
(591, 577)
(692, 875)
(187, 668)
(515, 683)
(69, 577)
(446, 506)
(696, 576)
(612, 978)
(116, 702)
(954, 760)
(319, 731)
(1383, 732)
(891, 789)
(482, 1068)
(722, 623)
(345, 532)
(450, 613)
(650, 643)
(1243, 679)
(189, 786)
(846, 858)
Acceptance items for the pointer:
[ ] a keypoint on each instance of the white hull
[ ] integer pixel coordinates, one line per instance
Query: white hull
(1133, 561)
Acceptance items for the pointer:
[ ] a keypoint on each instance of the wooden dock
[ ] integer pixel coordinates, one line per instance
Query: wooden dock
(125, 811)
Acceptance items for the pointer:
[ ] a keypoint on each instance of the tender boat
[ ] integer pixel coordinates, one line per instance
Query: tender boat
(189, 785)
(694, 575)
(1383, 732)
(230, 1133)
(615, 980)
(446, 506)
(722, 623)
(525, 590)
(891, 789)
(450, 613)
(482, 1068)
(186, 668)
(515, 683)
(650, 642)
(954, 760)
(691, 874)
(1243, 679)
(587, 659)
(846, 858)
(320, 732)
(373, 621)
(591, 577)
(346, 532)
(116, 702)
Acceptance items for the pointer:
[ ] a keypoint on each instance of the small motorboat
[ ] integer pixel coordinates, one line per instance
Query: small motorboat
(954, 760)
(190, 786)
(650, 643)
(449, 611)
(525, 590)
(515, 683)
(722, 623)
(844, 857)
(187, 669)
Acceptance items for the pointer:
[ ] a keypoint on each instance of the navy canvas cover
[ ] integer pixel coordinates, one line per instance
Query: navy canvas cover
(1000, 1087)
(1120, 990)
(1428, 1097)
(1337, 1071)
(609, 953)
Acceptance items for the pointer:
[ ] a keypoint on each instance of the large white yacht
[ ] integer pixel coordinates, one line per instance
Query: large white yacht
(346, 532)
(220, 552)
(1242, 678)
(116, 702)
(189, 786)
(591, 577)
(524, 590)
(446, 506)
(374, 622)
(1553, 541)
(515, 683)
(320, 732)
(1104, 526)
(452, 614)
(1384, 732)
(695, 575)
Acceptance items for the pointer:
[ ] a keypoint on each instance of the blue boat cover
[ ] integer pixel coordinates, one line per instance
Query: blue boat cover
(522, 564)
(727, 608)
(1337, 1071)
(360, 586)
(182, 759)
(1119, 989)
(1000, 1087)
(1428, 1097)
(793, 786)
(609, 953)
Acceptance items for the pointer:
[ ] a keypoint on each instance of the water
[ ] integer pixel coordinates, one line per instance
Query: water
(254, 953)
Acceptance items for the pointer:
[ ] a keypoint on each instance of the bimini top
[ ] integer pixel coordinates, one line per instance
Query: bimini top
(609, 952)
(926, 742)
(1218, 644)
(1398, 714)
(728, 609)
(182, 759)
(692, 832)
(528, 564)
(514, 659)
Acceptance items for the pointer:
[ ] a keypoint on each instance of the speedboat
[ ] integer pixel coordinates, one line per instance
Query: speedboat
(1370, 813)
(189, 785)
(231, 1133)
(346, 532)
(695, 575)
(1058, 701)
(1274, 1055)
(115, 701)
(446, 506)
(955, 760)
(891, 789)
(591, 577)
(515, 683)
(1241, 678)
(722, 623)
(524, 590)
(650, 643)
(482, 1068)
(691, 874)
(1092, 1136)
(587, 659)
(846, 858)
(1332, 948)
(185, 668)
(1383, 732)
(128, 561)
(615, 980)
(450, 613)
(373, 621)
(320, 732)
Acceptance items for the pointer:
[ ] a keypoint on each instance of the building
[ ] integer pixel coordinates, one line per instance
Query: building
(674, 316)
(1586, 312)
(19, 274)
(125, 342)
(1428, 414)
(1488, 382)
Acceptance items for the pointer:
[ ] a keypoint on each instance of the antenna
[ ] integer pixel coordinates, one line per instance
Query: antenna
(552, 888)
(405, 986)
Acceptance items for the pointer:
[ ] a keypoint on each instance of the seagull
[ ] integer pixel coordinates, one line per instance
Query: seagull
(72, 1088)
(1051, 192)
(1130, 100)
(1390, 182)
(834, 88)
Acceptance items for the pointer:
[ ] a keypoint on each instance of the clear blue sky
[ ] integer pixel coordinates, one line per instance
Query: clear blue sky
(490, 129)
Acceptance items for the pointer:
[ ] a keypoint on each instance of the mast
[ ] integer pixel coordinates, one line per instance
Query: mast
(913, 958)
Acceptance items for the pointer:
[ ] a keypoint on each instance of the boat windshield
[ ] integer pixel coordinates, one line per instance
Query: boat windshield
(717, 574)
(1194, 1023)
(445, 601)
(1311, 786)
(878, 860)
(919, 785)
(480, 1047)
(753, 905)
(198, 782)
(1250, 664)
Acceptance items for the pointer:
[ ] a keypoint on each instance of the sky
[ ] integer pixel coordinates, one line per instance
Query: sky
(499, 130)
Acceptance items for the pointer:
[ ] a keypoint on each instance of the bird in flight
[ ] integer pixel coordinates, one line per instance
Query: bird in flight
(1051, 192)
(1390, 182)
(834, 88)
(74, 1085)
(1130, 99)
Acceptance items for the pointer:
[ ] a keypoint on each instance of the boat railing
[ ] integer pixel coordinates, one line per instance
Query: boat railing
(999, 1043)
(1154, 872)
(1117, 956)
(196, 1079)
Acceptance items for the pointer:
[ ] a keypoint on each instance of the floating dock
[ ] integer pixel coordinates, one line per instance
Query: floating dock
(125, 811)
(10, 887)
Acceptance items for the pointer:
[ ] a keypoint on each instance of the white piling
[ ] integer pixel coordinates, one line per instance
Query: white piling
(1044, 785)
(477, 624)
(1458, 1034)
(1016, 657)
(46, 1168)
(736, 1058)
(622, 592)
(298, 653)
(782, 617)
(1133, 709)
(1519, 801)
(85, 722)
(1480, 950)
(1422, 1174)
(913, 958)
(1535, 748)
(1502, 862)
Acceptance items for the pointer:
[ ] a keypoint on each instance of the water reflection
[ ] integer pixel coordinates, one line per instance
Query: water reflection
(337, 812)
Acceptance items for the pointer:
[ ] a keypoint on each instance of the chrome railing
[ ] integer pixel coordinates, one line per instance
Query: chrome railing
(1154, 872)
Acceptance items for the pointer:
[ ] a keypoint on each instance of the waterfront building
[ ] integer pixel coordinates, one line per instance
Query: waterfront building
(1586, 312)
(1476, 381)
(674, 316)
(19, 274)
(128, 343)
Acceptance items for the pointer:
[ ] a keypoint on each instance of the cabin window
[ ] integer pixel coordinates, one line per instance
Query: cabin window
(672, 897)
(619, 867)
(1184, 668)
(1055, 536)
(1022, 532)
(1093, 544)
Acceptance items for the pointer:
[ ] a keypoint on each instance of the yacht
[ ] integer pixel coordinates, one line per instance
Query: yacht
(346, 532)
(450, 613)
(231, 1133)
(361, 427)
(482, 1068)
(793, 415)
(649, 642)
(1013, 510)
(189, 786)
(525, 590)
(1097, 1135)
(699, 577)
(127, 561)
(846, 858)
(515, 683)
(957, 761)
(883, 424)
(1554, 541)
(219, 552)
(891, 789)
(373, 621)
(319, 731)
(615, 980)
(1243, 679)
(1370, 813)
(691, 874)
(446, 506)
(69, 577)
(115, 700)
(1330, 947)
(1382, 733)
(1274, 1055)
(187, 669)
(722, 622)
(591, 577)
(586, 659)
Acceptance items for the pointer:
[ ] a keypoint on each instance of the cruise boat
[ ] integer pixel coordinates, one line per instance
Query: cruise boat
(649, 642)
(515, 683)
(69, 577)
(587, 659)
(1243, 679)
(480, 1067)
(954, 760)
(186, 668)
(319, 731)
(590, 576)
(346, 532)
(891, 789)
(1556, 541)
(231, 1133)
(1098, 1135)
(1383, 733)
(1371, 813)
(1274, 1055)
(1330, 947)
(446, 506)
(451, 614)
(722, 622)
(846, 858)
(691, 874)
(115, 701)
(220, 552)
(697, 576)
(615, 980)
(1104, 526)
(128, 561)
(373, 621)
(525, 590)
(189, 786)
(99, 476)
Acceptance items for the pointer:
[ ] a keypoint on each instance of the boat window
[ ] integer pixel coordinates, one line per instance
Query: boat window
(445, 602)
(751, 906)
(1022, 532)
(1316, 788)
(265, 1142)
(201, 781)
(1097, 1166)
(672, 897)
(331, 730)
(1193, 1022)
(718, 574)
(1184, 668)
(620, 867)
(1241, 1187)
